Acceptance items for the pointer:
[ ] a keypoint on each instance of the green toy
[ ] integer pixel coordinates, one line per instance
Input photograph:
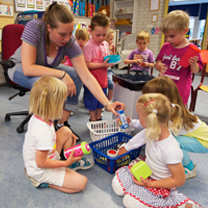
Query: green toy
(140, 169)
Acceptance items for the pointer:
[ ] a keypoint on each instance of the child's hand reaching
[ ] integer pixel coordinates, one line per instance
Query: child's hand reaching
(128, 119)
(161, 67)
(71, 159)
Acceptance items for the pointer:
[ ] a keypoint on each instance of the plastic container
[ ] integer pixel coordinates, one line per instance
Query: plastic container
(80, 149)
(121, 120)
(134, 80)
(192, 51)
(127, 89)
(112, 153)
(113, 59)
(101, 129)
(100, 148)
(140, 169)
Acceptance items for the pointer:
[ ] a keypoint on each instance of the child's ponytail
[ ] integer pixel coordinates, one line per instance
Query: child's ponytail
(176, 119)
(153, 130)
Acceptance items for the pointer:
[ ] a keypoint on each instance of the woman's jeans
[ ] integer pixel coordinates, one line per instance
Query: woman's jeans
(27, 82)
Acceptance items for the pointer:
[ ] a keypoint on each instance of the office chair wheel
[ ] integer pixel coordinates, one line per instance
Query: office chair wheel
(7, 118)
(20, 129)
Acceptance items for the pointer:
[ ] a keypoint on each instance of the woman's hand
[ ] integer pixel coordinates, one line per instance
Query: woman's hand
(71, 159)
(70, 85)
(115, 106)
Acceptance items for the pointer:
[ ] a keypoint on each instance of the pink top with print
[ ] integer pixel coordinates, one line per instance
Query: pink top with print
(95, 53)
(180, 75)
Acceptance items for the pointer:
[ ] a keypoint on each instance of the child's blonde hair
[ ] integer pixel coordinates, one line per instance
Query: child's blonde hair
(47, 98)
(143, 35)
(82, 33)
(99, 19)
(176, 20)
(110, 31)
(158, 110)
(167, 87)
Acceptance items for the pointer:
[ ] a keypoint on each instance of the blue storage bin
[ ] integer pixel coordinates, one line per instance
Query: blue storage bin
(100, 148)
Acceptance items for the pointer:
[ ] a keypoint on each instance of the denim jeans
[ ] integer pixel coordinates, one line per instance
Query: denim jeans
(27, 82)
(189, 144)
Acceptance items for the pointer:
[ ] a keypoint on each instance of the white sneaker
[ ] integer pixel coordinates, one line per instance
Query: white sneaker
(190, 173)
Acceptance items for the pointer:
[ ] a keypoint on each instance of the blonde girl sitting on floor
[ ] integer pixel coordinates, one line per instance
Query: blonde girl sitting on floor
(163, 156)
(43, 145)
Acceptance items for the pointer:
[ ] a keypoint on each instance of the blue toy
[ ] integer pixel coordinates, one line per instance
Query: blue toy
(113, 59)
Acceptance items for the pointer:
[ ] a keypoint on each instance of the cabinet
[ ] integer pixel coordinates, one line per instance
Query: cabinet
(126, 10)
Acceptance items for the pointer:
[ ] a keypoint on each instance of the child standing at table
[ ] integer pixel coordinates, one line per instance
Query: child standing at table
(174, 27)
(109, 39)
(94, 52)
(142, 58)
(82, 36)
(42, 145)
(163, 156)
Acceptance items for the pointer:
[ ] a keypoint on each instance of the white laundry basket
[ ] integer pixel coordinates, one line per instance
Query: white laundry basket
(101, 129)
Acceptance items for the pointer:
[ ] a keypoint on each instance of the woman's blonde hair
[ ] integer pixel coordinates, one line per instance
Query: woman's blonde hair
(56, 13)
(158, 110)
(47, 98)
(176, 20)
(167, 87)
(82, 33)
(143, 35)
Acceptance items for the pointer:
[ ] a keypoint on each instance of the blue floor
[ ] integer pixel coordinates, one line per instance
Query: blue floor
(17, 191)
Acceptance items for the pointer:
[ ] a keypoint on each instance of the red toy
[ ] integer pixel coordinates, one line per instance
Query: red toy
(192, 51)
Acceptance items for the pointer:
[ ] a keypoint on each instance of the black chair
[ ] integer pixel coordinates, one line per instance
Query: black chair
(11, 35)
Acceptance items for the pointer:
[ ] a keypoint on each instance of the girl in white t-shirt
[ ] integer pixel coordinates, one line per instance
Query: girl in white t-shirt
(163, 156)
(43, 145)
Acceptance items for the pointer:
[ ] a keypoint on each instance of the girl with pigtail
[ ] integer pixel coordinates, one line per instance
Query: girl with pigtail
(163, 156)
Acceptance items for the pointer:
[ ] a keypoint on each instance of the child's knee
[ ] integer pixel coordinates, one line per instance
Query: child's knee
(84, 183)
(130, 202)
(116, 186)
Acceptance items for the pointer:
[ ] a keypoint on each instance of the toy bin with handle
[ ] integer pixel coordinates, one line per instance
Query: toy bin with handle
(104, 128)
(100, 148)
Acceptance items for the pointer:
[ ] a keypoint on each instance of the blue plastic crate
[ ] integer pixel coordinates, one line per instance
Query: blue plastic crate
(101, 147)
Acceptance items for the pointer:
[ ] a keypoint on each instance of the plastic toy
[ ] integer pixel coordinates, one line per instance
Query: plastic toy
(82, 8)
(112, 153)
(121, 144)
(140, 169)
(121, 119)
(192, 51)
(113, 59)
(80, 149)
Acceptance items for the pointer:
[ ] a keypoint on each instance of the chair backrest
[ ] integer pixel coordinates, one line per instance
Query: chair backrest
(128, 42)
(11, 35)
